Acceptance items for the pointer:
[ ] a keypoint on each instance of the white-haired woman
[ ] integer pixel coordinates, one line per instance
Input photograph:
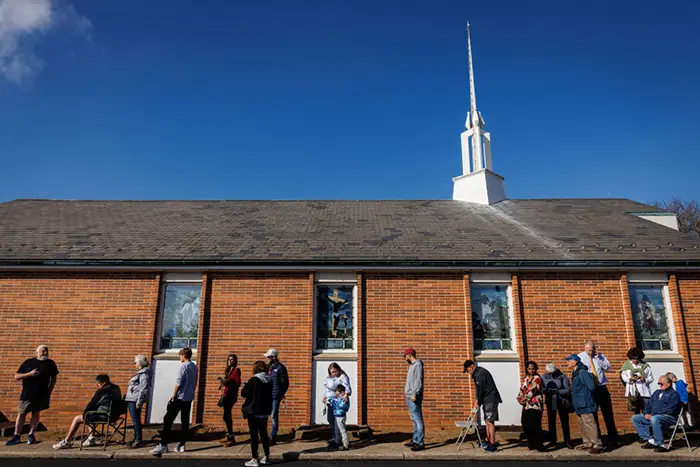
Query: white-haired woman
(558, 401)
(136, 395)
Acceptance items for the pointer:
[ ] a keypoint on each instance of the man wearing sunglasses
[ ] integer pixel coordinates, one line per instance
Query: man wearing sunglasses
(660, 413)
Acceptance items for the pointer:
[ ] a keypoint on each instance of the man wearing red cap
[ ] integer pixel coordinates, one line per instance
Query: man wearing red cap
(414, 399)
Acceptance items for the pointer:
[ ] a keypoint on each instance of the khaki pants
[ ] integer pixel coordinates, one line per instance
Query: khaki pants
(589, 430)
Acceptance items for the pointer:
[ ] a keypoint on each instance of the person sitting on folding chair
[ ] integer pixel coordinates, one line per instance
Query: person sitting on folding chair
(107, 398)
(661, 413)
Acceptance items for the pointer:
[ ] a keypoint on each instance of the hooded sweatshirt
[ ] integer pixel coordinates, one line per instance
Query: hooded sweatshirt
(258, 395)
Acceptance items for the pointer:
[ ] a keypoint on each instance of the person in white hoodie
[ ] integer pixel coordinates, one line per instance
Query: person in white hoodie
(336, 376)
(637, 376)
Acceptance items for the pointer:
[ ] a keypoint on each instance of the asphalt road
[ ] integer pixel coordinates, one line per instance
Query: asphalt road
(319, 463)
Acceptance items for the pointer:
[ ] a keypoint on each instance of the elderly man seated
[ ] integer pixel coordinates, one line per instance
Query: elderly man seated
(106, 396)
(661, 413)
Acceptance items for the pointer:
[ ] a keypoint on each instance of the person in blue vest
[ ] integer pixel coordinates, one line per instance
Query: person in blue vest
(661, 413)
(280, 384)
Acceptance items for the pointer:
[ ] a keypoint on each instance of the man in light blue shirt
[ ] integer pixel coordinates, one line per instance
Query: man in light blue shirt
(181, 403)
(597, 366)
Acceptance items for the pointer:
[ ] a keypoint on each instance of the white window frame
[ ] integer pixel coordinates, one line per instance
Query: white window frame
(502, 280)
(342, 279)
(189, 279)
(654, 280)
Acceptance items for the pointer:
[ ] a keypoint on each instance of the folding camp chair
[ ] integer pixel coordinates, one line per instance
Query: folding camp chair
(679, 423)
(100, 423)
(472, 423)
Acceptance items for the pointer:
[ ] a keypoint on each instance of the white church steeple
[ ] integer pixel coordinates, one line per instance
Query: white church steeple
(478, 183)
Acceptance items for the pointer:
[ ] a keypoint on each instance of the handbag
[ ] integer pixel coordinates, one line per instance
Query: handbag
(221, 401)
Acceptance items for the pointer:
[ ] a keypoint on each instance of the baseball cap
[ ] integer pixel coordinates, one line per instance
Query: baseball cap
(409, 351)
(271, 353)
(467, 364)
(574, 357)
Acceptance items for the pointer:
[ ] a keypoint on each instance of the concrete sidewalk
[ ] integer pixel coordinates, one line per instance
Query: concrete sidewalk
(510, 449)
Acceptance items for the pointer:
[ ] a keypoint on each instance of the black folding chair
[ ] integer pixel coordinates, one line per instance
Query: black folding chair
(110, 424)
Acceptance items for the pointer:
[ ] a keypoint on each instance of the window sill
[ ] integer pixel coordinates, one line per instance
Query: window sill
(497, 356)
(662, 356)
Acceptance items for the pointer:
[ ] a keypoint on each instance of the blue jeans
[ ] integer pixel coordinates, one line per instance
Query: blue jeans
(136, 420)
(416, 411)
(335, 433)
(275, 418)
(657, 423)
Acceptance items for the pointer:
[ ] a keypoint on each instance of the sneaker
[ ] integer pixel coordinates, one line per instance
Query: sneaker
(484, 444)
(31, 439)
(63, 444)
(410, 444)
(661, 449)
(491, 448)
(90, 441)
(135, 444)
(180, 448)
(417, 447)
(595, 450)
(343, 448)
(264, 460)
(648, 445)
(159, 450)
(13, 441)
(252, 463)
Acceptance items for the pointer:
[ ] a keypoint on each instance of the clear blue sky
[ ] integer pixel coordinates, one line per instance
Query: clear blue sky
(318, 99)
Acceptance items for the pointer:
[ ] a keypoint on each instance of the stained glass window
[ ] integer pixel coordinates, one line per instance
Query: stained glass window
(180, 317)
(651, 327)
(490, 317)
(334, 317)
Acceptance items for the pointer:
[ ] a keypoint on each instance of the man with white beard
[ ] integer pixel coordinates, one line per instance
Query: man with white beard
(38, 376)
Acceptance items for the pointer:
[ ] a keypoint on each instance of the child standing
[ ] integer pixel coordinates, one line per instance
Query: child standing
(340, 404)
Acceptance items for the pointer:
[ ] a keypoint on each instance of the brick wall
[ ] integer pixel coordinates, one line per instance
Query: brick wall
(562, 310)
(427, 312)
(97, 322)
(92, 323)
(689, 292)
(250, 313)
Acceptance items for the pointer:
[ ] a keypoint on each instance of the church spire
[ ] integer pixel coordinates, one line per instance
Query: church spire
(477, 183)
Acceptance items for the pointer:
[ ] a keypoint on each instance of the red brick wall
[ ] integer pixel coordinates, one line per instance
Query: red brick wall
(562, 310)
(92, 323)
(249, 313)
(427, 312)
(689, 292)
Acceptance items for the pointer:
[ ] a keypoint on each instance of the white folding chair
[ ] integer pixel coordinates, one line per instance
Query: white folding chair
(679, 423)
(467, 426)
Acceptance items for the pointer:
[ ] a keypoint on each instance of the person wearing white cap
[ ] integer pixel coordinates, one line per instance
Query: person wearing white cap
(280, 383)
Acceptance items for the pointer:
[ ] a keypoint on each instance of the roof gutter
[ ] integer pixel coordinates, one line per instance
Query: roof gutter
(200, 265)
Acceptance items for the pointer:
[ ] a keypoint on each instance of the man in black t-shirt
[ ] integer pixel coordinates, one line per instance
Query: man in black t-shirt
(38, 376)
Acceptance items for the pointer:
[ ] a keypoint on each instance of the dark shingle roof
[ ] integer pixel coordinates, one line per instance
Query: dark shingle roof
(567, 230)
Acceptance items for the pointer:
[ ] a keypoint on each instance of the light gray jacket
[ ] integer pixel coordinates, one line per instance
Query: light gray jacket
(414, 379)
(139, 387)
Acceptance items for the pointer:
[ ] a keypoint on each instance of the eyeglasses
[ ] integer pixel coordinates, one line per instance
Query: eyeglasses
(661, 384)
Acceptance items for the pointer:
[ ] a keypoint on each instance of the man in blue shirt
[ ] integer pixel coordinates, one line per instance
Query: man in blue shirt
(660, 413)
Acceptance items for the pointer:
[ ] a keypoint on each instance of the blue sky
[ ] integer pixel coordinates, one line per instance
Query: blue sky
(223, 99)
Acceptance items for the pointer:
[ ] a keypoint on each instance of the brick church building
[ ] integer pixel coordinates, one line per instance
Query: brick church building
(480, 276)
